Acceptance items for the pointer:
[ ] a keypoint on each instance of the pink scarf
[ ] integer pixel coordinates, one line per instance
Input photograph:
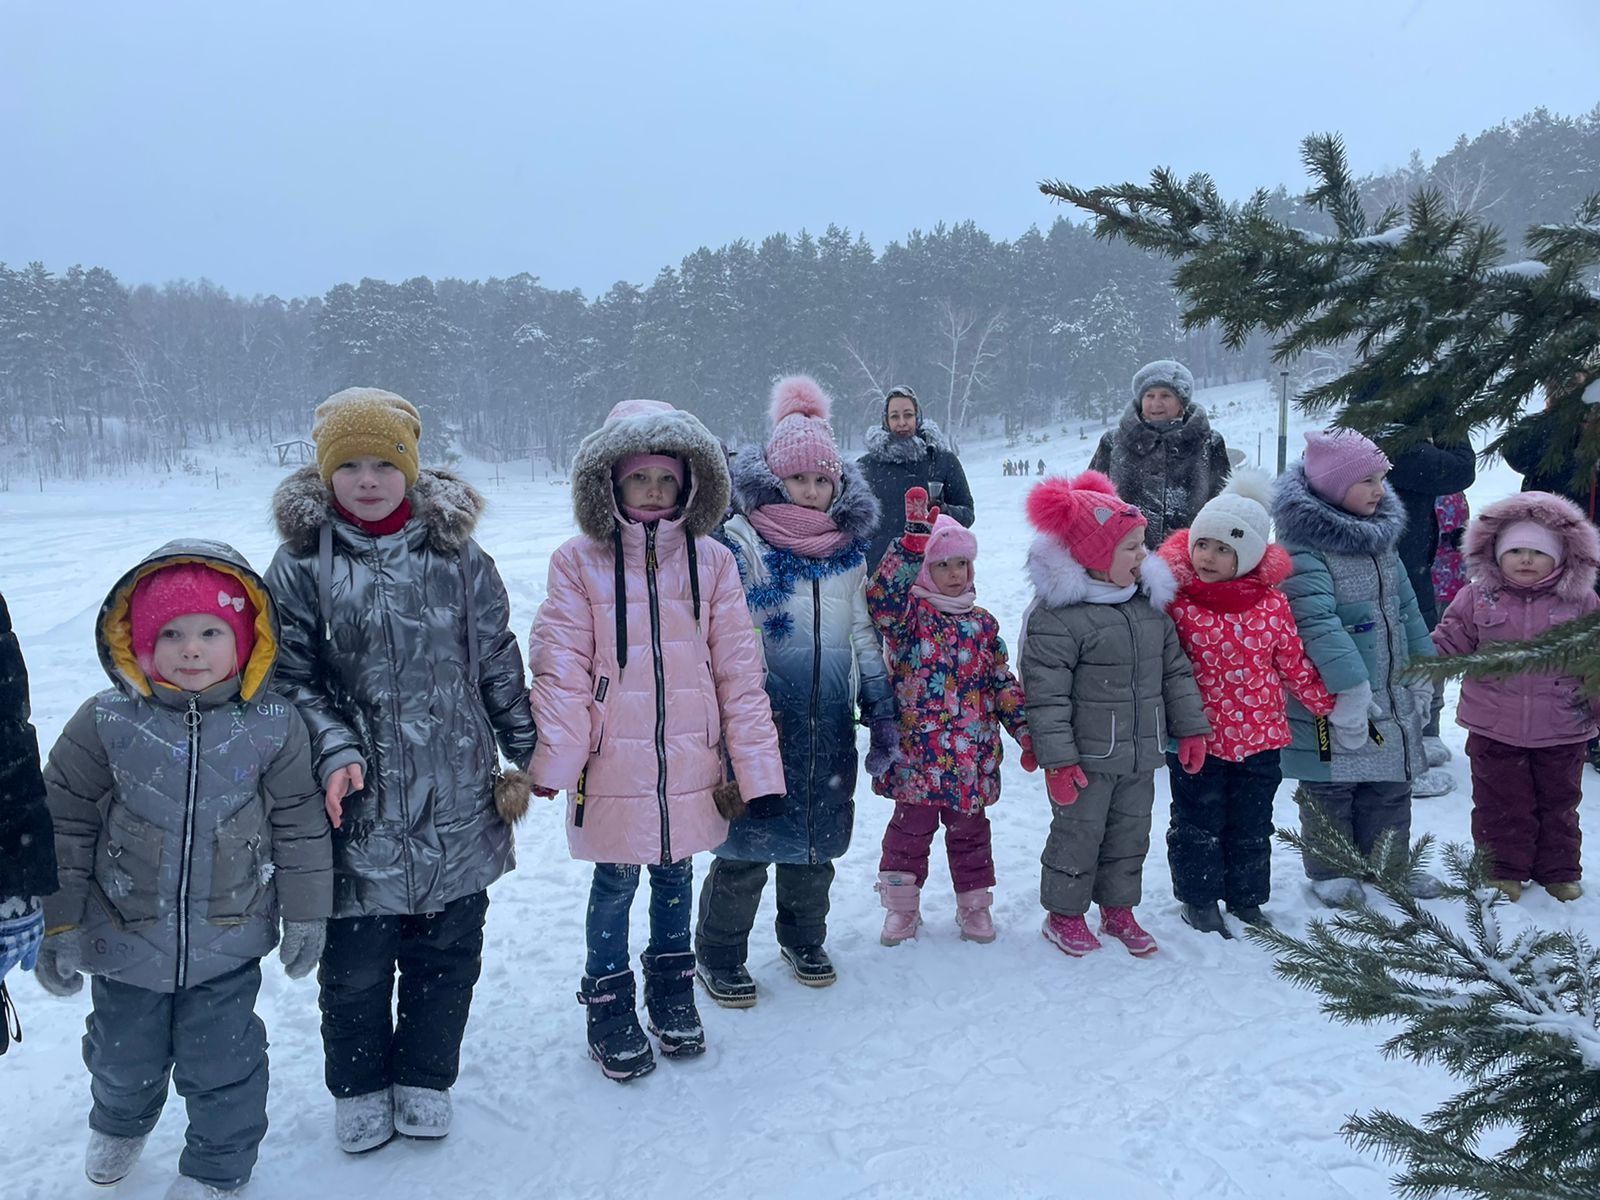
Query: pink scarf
(807, 532)
(643, 516)
(951, 606)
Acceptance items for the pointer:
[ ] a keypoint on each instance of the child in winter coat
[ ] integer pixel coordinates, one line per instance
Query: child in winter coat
(188, 823)
(954, 690)
(1361, 626)
(397, 649)
(1237, 629)
(800, 539)
(1107, 684)
(1532, 559)
(644, 665)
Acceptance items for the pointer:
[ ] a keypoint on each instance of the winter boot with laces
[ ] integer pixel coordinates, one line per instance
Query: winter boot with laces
(972, 915)
(901, 896)
(421, 1112)
(1070, 935)
(109, 1158)
(669, 1000)
(1119, 923)
(615, 1040)
(362, 1123)
(1205, 918)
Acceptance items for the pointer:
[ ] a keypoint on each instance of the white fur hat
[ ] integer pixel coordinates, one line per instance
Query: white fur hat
(1238, 516)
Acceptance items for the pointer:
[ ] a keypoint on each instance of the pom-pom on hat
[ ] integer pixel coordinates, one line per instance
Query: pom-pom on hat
(1337, 459)
(1085, 515)
(363, 420)
(1238, 515)
(184, 588)
(1164, 372)
(802, 439)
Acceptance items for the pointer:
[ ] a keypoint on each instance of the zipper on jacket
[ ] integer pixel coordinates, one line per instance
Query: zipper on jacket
(661, 698)
(1133, 639)
(816, 700)
(1388, 685)
(402, 791)
(191, 722)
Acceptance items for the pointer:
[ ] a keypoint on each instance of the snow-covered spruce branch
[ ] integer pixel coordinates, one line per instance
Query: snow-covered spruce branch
(1568, 648)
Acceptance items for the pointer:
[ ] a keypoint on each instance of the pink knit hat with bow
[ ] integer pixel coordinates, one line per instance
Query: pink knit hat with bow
(949, 539)
(1337, 459)
(1085, 515)
(802, 439)
(184, 588)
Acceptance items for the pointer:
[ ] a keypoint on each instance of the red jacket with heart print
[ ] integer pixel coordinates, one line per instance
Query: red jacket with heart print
(1241, 638)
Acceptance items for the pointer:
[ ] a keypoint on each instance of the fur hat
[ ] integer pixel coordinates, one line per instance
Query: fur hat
(1085, 515)
(184, 588)
(364, 420)
(1238, 516)
(1164, 372)
(802, 439)
(1337, 459)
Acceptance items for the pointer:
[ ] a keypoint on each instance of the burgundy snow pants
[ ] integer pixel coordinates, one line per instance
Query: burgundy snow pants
(909, 838)
(1525, 808)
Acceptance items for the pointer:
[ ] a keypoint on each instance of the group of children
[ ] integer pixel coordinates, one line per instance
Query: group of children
(320, 747)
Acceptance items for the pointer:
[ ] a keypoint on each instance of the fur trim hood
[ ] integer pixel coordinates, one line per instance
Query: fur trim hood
(883, 445)
(855, 510)
(444, 502)
(1580, 542)
(648, 427)
(1306, 521)
(1140, 437)
(1059, 579)
(1229, 594)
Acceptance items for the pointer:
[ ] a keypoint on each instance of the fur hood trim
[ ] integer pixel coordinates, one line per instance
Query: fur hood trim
(885, 447)
(653, 430)
(1229, 594)
(1580, 542)
(1306, 521)
(444, 502)
(855, 510)
(1140, 437)
(1058, 578)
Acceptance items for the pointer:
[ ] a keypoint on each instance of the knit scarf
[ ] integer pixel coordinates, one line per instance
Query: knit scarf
(644, 516)
(1103, 591)
(804, 531)
(393, 523)
(950, 606)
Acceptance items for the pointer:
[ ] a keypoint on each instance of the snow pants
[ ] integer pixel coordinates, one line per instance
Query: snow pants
(1097, 845)
(1219, 842)
(368, 1041)
(1525, 808)
(967, 840)
(209, 1041)
(1361, 812)
(731, 895)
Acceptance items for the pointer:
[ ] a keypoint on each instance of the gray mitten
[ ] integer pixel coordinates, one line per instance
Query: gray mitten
(301, 947)
(1347, 723)
(59, 960)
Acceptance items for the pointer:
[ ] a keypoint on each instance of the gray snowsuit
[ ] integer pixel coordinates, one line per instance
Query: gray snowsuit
(1167, 471)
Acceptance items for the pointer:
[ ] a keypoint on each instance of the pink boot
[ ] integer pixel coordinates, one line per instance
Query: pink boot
(972, 914)
(1070, 935)
(1119, 923)
(900, 895)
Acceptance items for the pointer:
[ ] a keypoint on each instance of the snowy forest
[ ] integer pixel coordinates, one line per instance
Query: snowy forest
(97, 376)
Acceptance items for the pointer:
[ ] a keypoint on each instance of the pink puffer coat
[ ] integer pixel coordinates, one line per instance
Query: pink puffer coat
(643, 735)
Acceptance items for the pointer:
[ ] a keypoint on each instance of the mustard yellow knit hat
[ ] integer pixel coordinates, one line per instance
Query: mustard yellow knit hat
(363, 420)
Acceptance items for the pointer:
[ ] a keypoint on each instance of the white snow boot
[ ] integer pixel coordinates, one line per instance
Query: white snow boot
(108, 1158)
(185, 1188)
(1343, 892)
(422, 1112)
(1431, 783)
(1434, 750)
(362, 1123)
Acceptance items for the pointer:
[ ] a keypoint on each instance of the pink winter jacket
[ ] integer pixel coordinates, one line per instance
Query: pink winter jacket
(1522, 710)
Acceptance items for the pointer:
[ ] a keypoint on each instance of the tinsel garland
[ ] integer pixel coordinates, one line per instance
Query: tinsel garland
(784, 567)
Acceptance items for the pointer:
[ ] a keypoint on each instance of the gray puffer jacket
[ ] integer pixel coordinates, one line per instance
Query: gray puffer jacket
(1168, 472)
(1107, 684)
(414, 673)
(186, 823)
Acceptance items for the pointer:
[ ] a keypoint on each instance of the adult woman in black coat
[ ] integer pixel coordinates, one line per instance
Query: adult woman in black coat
(27, 842)
(907, 450)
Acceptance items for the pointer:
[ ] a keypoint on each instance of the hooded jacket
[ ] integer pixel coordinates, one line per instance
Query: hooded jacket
(1532, 710)
(385, 679)
(186, 823)
(1359, 620)
(1168, 474)
(893, 465)
(645, 664)
(1241, 638)
(1107, 684)
(27, 851)
(823, 658)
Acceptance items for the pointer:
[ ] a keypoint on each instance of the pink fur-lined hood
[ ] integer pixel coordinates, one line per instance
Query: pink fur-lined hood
(1579, 539)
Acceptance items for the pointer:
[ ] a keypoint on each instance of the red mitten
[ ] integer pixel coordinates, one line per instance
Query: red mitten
(919, 521)
(1028, 761)
(1192, 753)
(1064, 783)
(544, 793)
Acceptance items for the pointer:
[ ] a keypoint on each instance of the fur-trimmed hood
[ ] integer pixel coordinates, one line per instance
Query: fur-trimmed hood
(1139, 437)
(883, 445)
(1306, 521)
(855, 510)
(1059, 579)
(648, 427)
(446, 504)
(1579, 540)
(1228, 595)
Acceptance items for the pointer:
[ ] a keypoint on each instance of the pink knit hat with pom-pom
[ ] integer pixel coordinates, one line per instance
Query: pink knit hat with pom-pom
(1085, 515)
(802, 439)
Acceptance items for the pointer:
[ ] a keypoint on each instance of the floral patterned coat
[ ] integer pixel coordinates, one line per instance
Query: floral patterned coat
(954, 690)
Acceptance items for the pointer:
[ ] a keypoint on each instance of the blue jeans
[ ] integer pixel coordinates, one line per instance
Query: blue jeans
(611, 898)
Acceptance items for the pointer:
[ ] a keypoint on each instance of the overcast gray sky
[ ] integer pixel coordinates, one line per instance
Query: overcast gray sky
(297, 145)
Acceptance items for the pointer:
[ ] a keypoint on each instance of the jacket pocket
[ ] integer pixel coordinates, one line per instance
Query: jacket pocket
(597, 715)
(127, 869)
(1088, 738)
(713, 712)
(241, 867)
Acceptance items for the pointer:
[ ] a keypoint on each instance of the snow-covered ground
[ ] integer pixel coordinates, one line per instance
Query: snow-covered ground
(934, 1069)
